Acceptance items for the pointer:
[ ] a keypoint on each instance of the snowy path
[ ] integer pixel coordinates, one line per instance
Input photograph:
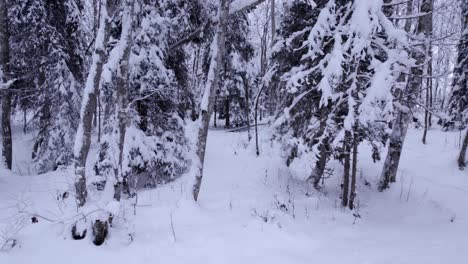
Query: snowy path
(252, 211)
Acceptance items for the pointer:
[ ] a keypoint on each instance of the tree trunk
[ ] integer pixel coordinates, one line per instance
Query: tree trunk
(100, 226)
(83, 136)
(402, 121)
(427, 115)
(257, 100)
(247, 105)
(352, 195)
(324, 153)
(347, 165)
(214, 114)
(7, 150)
(122, 93)
(227, 113)
(462, 155)
(218, 47)
(273, 23)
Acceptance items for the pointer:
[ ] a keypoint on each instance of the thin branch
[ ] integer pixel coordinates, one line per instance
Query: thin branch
(418, 15)
(394, 3)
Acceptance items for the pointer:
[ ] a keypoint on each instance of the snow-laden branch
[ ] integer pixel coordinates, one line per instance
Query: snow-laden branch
(411, 16)
(235, 7)
(394, 3)
(4, 86)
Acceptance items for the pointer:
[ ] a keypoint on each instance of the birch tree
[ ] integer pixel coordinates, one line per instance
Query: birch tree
(409, 96)
(217, 51)
(83, 135)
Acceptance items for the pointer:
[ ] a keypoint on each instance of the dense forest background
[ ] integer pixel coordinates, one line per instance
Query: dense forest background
(120, 98)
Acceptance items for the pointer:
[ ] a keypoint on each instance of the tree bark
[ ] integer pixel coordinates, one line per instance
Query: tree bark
(347, 165)
(462, 155)
(227, 112)
(215, 108)
(247, 104)
(122, 94)
(7, 144)
(83, 137)
(218, 47)
(352, 195)
(273, 23)
(324, 153)
(257, 100)
(403, 119)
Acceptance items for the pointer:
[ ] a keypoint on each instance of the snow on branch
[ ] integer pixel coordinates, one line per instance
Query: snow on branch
(394, 3)
(241, 5)
(4, 86)
(418, 15)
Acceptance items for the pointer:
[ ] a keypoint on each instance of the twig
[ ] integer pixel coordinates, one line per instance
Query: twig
(173, 229)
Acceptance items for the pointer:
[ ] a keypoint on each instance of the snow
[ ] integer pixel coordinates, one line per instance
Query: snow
(254, 210)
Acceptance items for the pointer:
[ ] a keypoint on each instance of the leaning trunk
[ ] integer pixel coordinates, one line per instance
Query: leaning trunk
(402, 121)
(217, 51)
(461, 156)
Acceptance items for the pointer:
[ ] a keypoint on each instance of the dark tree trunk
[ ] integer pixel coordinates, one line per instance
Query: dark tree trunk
(7, 144)
(227, 113)
(257, 100)
(347, 166)
(247, 104)
(324, 152)
(462, 155)
(352, 195)
(215, 109)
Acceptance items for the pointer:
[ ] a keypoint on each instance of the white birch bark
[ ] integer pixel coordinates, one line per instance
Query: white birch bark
(88, 105)
(217, 51)
(410, 95)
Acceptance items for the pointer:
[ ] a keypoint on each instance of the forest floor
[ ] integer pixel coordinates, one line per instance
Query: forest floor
(252, 210)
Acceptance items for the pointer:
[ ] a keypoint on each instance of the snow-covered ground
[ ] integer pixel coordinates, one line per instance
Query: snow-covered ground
(251, 210)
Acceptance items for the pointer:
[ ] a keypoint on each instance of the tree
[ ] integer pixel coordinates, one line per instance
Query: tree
(458, 106)
(7, 146)
(88, 105)
(408, 99)
(217, 50)
(336, 63)
(47, 60)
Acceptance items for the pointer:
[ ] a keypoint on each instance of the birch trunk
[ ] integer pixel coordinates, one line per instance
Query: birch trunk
(403, 119)
(217, 51)
(7, 150)
(273, 23)
(122, 94)
(83, 136)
